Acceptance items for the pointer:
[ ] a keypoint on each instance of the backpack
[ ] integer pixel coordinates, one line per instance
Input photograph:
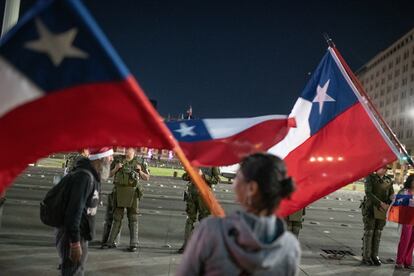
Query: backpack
(53, 206)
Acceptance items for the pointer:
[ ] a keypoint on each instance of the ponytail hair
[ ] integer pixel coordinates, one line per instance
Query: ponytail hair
(269, 172)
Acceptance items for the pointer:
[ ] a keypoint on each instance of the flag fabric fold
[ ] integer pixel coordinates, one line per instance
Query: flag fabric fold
(402, 209)
(63, 87)
(221, 142)
(336, 141)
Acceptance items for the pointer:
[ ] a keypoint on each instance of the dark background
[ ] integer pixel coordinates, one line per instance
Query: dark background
(240, 58)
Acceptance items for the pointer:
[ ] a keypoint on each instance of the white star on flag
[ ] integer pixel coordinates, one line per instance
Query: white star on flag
(322, 96)
(56, 46)
(185, 130)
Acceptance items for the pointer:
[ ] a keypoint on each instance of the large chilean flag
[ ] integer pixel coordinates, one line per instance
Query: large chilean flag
(221, 142)
(336, 141)
(63, 87)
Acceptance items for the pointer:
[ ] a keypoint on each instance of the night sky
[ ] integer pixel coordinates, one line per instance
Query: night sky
(240, 58)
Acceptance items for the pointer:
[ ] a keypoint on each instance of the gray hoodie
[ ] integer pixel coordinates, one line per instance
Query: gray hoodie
(241, 244)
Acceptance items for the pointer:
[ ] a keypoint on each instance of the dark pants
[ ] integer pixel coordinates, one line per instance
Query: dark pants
(194, 206)
(67, 267)
(109, 217)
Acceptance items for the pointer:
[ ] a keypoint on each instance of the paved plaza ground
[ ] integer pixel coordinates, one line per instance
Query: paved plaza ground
(332, 224)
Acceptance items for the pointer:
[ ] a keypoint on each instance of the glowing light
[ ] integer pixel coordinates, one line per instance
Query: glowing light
(340, 158)
(320, 159)
(312, 159)
(329, 158)
(149, 155)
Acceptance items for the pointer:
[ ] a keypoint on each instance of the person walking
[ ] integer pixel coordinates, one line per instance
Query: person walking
(82, 188)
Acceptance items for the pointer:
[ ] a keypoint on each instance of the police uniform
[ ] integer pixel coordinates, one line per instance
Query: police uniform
(126, 195)
(377, 189)
(72, 160)
(195, 206)
(109, 217)
(294, 222)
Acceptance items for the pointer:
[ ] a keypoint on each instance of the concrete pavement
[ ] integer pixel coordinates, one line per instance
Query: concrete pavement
(331, 224)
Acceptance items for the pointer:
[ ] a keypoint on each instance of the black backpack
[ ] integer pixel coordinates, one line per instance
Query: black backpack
(53, 206)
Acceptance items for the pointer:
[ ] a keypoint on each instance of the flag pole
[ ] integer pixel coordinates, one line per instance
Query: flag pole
(371, 106)
(202, 187)
(11, 15)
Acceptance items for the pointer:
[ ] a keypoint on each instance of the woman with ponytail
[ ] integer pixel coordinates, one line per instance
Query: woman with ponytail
(252, 241)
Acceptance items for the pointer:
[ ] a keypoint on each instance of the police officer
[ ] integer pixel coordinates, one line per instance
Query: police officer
(378, 195)
(294, 222)
(126, 195)
(194, 203)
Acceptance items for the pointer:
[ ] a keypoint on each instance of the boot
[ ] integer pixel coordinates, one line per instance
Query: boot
(375, 247)
(367, 247)
(187, 233)
(116, 227)
(105, 236)
(133, 236)
(118, 238)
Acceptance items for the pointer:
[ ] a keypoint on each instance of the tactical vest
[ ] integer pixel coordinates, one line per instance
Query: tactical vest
(127, 175)
(211, 177)
(381, 188)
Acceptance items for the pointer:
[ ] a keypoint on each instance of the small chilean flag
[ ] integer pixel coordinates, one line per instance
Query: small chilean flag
(221, 142)
(63, 87)
(337, 139)
(402, 209)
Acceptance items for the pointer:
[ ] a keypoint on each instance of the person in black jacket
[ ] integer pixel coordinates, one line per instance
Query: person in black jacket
(82, 197)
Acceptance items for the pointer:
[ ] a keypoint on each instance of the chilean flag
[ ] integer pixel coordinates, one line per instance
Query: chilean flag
(221, 142)
(337, 140)
(63, 87)
(402, 209)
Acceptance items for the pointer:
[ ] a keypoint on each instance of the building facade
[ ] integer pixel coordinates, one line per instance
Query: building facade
(388, 79)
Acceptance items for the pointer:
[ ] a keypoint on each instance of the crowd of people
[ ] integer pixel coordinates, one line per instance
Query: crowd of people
(252, 241)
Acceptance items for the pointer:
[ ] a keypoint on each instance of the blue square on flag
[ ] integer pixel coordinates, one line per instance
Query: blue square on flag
(329, 92)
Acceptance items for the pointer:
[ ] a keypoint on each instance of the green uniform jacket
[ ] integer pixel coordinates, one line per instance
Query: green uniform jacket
(377, 189)
(127, 176)
(210, 175)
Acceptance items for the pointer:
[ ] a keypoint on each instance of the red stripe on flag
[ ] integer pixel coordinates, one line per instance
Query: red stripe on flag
(89, 115)
(230, 150)
(334, 157)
